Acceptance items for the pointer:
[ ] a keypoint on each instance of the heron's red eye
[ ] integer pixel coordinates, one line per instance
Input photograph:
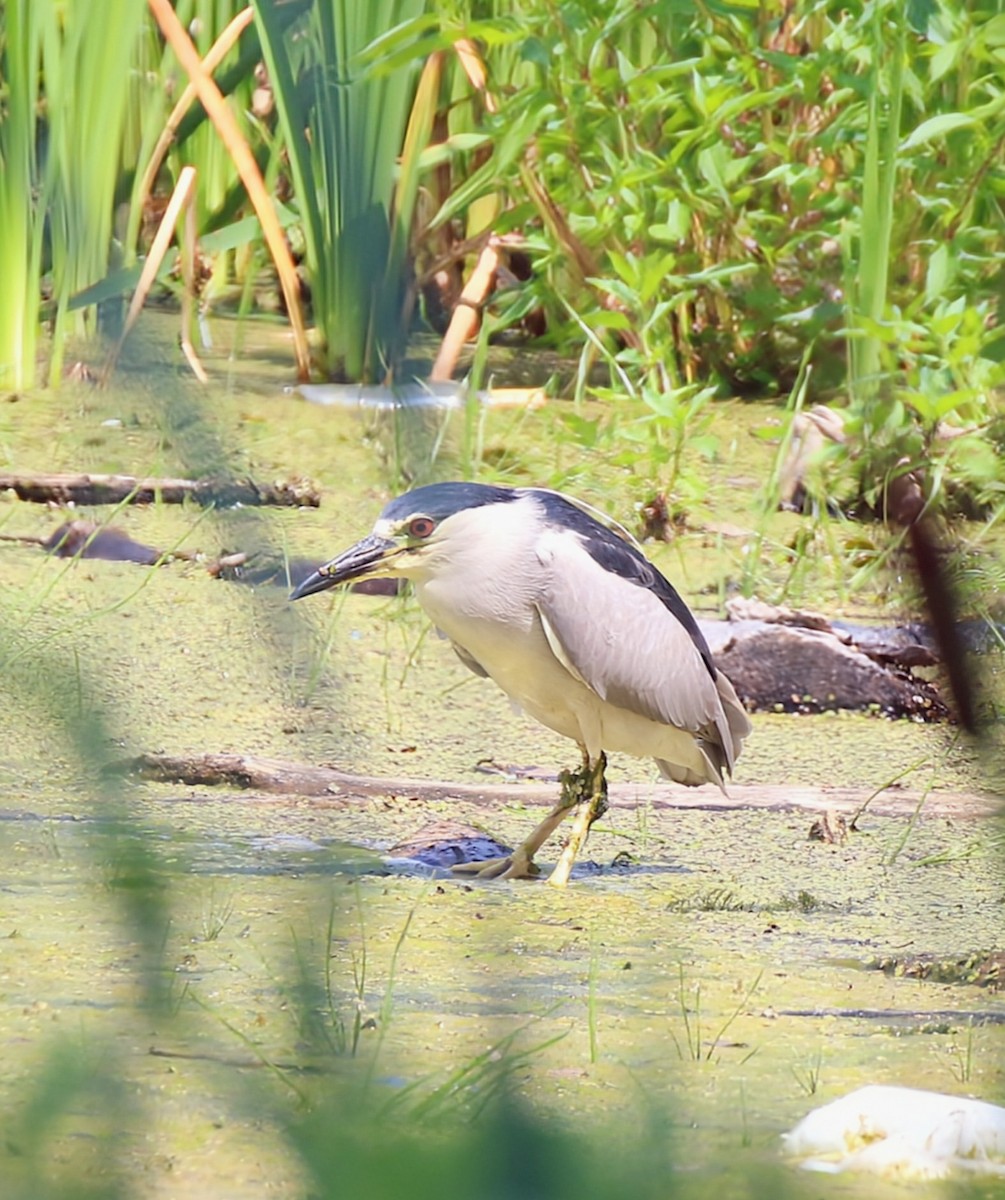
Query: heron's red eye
(421, 527)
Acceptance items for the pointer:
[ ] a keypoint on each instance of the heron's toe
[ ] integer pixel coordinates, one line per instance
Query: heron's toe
(521, 866)
(517, 865)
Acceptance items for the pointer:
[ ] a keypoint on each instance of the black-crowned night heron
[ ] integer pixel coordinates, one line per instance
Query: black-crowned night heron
(574, 624)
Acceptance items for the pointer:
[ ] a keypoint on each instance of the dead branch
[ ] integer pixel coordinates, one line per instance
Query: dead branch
(255, 773)
(67, 488)
(339, 789)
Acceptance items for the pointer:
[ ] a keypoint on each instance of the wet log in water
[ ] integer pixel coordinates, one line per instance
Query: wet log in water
(256, 773)
(84, 539)
(261, 776)
(249, 771)
(60, 488)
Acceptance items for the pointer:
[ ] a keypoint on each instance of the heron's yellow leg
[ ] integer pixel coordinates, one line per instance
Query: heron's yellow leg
(520, 864)
(577, 787)
(592, 803)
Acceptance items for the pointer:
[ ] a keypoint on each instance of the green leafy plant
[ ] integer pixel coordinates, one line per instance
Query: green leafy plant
(924, 348)
(61, 147)
(670, 161)
(705, 194)
(344, 123)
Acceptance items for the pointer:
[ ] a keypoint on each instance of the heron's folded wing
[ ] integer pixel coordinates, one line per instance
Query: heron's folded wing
(465, 656)
(612, 630)
(469, 660)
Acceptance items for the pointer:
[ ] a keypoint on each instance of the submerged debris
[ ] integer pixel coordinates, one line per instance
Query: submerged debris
(831, 828)
(85, 539)
(983, 968)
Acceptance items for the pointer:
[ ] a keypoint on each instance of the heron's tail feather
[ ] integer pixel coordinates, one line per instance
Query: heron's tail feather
(691, 777)
(737, 722)
(719, 744)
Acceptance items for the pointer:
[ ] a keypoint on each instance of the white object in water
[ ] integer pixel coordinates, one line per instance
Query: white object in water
(901, 1132)
(376, 396)
(416, 394)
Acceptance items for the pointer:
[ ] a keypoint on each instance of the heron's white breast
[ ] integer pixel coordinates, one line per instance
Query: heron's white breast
(481, 585)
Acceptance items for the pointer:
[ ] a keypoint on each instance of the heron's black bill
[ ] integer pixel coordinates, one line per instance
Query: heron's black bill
(365, 558)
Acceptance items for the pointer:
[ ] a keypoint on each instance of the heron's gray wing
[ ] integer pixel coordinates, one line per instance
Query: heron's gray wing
(469, 661)
(607, 622)
(621, 557)
(465, 656)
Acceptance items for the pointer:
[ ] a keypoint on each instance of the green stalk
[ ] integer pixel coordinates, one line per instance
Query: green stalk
(346, 172)
(870, 269)
(88, 90)
(21, 207)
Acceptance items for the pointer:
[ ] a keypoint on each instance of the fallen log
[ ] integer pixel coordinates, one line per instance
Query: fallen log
(263, 776)
(68, 488)
(257, 773)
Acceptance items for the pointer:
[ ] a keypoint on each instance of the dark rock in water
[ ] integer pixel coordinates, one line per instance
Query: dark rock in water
(797, 661)
(779, 667)
(444, 844)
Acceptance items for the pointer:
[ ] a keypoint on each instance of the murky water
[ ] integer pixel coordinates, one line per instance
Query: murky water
(717, 971)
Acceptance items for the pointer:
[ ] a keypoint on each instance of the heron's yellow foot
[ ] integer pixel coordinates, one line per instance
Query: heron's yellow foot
(520, 864)
(517, 865)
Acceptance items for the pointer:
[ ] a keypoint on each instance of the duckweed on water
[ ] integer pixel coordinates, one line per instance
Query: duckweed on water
(220, 994)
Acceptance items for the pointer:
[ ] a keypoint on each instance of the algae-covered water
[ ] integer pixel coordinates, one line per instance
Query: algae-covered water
(189, 976)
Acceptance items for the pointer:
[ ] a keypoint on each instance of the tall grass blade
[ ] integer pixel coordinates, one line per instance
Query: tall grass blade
(871, 266)
(345, 172)
(87, 86)
(22, 196)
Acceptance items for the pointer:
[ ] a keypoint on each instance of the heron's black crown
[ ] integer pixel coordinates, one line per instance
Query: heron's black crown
(442, 500)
